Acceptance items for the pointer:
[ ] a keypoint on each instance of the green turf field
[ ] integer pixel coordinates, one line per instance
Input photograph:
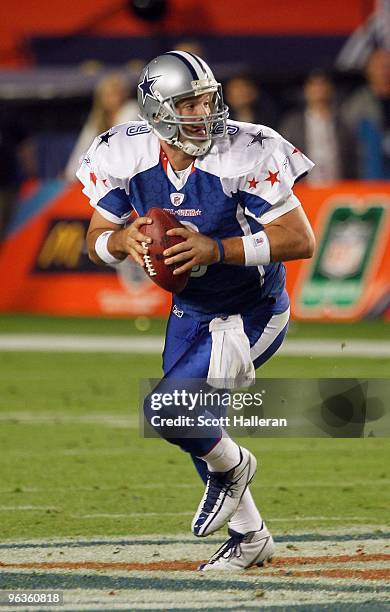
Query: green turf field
(73, 463)
(20, 323)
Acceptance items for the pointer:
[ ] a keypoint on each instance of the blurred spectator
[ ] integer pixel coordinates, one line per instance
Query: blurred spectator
(17, 162)
(247, 102)
(111, 106)
(367, 111)
(319, 131)
(375, 32)
(191, 46)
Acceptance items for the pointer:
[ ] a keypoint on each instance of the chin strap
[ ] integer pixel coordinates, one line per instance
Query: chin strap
(191, 148)
(187, 146)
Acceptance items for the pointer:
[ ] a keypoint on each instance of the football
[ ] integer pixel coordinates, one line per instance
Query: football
(156, 269)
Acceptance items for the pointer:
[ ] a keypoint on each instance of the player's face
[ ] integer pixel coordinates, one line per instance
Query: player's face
(195, 108)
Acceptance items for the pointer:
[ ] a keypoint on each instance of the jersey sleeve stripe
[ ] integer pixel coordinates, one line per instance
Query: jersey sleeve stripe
(110, 217)
(280, 209)
(116, 202)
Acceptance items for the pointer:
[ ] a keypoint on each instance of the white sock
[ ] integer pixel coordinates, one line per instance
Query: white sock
(223, 457)
(247, 517)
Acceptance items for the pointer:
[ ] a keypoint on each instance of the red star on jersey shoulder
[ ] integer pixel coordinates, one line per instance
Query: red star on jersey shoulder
(273, 177)
(92, 177)
(252, 183)
(296, 151)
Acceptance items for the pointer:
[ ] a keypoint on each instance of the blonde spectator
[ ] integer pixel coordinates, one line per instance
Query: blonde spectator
(111, 106)
(191, 45)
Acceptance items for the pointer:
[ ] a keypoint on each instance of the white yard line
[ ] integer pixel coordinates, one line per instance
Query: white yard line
(71, 343)
(292, 484)
(27, 508)
(154, 344)
(332, 535)
(335, 348)
(114, 516)
(105, 419)
(287, 519)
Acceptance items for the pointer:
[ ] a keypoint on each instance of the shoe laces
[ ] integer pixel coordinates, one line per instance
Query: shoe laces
(216, 486)
(229, 549)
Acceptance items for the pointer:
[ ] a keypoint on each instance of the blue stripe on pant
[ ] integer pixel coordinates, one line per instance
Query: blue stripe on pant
(187, 355)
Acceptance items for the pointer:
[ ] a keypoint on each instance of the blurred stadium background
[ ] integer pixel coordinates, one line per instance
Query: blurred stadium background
(75, 339)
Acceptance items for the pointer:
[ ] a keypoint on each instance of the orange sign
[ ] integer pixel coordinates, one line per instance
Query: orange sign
(44, 265)
(45, 268)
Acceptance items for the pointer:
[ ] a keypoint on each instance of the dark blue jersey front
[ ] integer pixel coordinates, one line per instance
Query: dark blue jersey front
(234, 190)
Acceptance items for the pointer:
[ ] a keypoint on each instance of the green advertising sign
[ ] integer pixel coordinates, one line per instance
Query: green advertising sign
(345, 252)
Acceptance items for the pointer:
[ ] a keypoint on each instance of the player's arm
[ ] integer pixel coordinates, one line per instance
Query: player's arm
(120, 242)
(289, 237)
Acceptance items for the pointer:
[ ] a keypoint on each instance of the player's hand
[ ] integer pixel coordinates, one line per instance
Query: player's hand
(196, 250)
(134, 242)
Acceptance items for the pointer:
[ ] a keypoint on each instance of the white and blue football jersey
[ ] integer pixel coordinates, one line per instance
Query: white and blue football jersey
(244, 182)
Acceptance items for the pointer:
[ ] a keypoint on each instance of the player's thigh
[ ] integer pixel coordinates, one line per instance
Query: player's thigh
(187, 374)
(266, 334)
(187, 348)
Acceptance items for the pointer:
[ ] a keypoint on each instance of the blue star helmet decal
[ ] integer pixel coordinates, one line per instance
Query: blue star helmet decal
(147, 85)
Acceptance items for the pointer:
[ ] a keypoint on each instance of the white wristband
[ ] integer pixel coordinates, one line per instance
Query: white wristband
(102, 251)
(257, 249)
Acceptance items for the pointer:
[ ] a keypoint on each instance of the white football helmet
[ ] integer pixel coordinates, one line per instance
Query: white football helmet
(174, 76)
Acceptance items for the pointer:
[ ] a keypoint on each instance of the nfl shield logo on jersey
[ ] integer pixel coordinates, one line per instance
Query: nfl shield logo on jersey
(177, 198)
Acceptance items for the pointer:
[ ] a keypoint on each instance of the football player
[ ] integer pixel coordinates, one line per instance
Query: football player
(232, 184)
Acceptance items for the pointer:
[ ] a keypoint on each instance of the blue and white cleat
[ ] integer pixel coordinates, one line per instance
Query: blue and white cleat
(223, 494)
(242, 551)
